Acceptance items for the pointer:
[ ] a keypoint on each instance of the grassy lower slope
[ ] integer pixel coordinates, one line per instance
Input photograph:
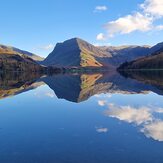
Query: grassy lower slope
(88, 61)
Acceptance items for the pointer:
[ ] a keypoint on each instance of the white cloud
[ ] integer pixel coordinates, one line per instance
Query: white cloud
(159, 27)
(102, 130)
(154, 130)
(129, 114)
(100, 8)
(109, 95)
(128, 24)
(151, 126)
(51, 95)
(142, 20)
(102, 102)
(47, 47)
(153, 7)
(159, 110)
(97, 96)
(101, 44)
(100, 37)
(103, 95)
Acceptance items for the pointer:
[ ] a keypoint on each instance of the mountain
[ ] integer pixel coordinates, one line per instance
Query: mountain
(152, 61)
(126, 49)
(156, 48)
(12, 50)
(76, 53)
(13, 59)
(14, 62)
(79, 53)
(121, 54)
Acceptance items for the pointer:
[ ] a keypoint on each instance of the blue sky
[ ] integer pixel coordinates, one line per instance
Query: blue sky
(38, 25)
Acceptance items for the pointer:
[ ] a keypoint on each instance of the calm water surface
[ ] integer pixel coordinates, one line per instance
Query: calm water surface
(94, 118)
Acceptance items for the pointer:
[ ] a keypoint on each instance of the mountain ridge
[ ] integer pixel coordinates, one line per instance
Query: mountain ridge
(76, 52)
(152, 61)
(13, 50)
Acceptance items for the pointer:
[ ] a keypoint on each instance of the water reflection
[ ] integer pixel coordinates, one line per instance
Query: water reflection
(154, 77)
(143, 117)
(120, 120)
(13, 83)
(80, 87)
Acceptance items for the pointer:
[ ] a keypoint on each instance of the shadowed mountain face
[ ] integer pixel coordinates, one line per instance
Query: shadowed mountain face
(80, 87)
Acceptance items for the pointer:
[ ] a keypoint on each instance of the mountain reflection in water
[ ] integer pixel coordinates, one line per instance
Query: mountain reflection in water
(80, 87)
(96, 117)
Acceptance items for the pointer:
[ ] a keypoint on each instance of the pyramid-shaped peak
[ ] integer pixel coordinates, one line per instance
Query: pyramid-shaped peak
(75, 39)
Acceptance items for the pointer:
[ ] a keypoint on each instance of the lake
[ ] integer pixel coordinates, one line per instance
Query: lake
(81, 118)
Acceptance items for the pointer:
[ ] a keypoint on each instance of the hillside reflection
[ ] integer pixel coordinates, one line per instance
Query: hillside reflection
(13, 83)
(77, 88)
(154, 77)
(80, 87)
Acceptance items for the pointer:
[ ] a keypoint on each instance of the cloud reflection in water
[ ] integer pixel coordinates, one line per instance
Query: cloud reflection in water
(143, 117)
